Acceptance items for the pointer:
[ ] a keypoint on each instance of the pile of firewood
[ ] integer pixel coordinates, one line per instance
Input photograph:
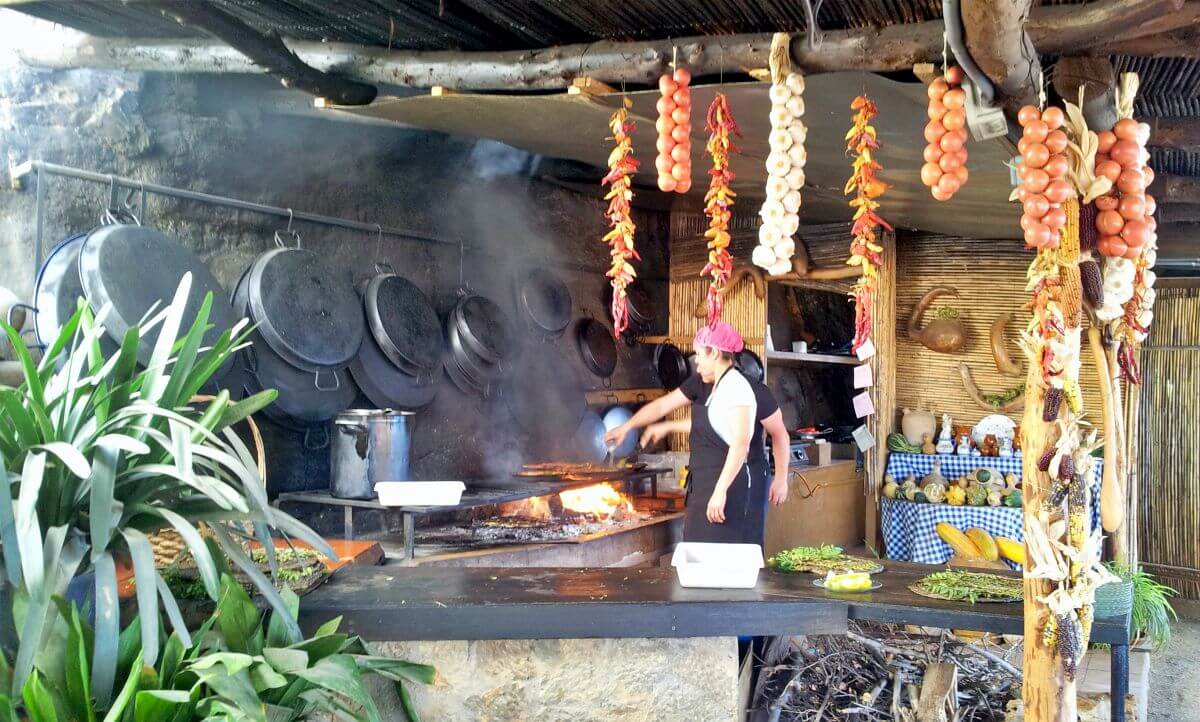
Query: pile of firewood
(881, 672)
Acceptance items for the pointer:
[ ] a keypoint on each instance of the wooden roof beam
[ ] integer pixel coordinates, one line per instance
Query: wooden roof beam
(1175, 189)
(1175, 133)
(996, 39)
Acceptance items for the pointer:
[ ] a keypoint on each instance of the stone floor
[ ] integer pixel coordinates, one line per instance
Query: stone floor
(1174, 686)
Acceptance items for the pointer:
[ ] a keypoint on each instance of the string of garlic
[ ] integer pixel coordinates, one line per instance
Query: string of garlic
(780, 211)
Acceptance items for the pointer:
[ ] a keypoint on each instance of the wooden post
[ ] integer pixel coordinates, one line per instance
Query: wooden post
(883, 367)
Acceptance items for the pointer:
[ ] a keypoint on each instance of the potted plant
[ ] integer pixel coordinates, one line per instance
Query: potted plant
(1147, 600)
(100, 453)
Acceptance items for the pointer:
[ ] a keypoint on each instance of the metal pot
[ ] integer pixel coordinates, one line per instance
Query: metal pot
(368, 446)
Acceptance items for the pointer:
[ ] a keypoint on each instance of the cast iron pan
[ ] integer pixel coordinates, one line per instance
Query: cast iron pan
(477, 372)
(484, 328)
(671, 366)
(597, 347)
(404, 325)
(387, 386)
(544, 394)
(305, 309)
(546, 301)
(137, 269)
(57, 289)
(751, 365)
(640, 307)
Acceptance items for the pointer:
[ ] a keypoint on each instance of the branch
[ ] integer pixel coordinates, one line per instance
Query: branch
(1059, 29)
(267, 51)
(1175, 189)
(996, 39)
(1099, 83)
(1175, 133)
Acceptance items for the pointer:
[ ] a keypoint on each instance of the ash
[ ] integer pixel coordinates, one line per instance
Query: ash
(875, 672)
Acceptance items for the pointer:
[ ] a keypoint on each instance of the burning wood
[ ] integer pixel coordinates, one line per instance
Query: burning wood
(599, 502)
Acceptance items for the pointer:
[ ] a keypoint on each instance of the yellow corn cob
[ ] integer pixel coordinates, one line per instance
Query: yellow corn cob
(985, 543)
(959, 542)
(1086, 614)
(1011, 549)
(1074, 395)
(1072, 294)
(1050, 631)
(1068, 247)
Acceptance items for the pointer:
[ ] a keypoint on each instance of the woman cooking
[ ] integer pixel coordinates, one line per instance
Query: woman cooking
(728, 471)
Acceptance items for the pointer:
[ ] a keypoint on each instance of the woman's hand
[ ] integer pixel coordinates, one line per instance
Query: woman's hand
(655, 433)
(616, 437)
(779, 491)
(716, 507)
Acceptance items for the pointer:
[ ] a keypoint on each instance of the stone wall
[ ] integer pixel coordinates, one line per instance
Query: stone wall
(246, 138)
(581, 680)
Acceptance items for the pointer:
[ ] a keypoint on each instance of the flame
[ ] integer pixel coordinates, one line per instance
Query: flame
(535, 507)
(601, 500)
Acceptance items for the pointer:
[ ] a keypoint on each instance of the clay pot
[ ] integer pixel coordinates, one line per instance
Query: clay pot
(916, 423)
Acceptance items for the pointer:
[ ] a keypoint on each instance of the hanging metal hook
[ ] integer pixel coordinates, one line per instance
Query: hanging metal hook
(109, 217)
(381, 266)
(287, 232)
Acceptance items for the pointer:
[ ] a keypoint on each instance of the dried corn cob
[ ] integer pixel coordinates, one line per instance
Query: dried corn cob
(1052, 405)
(1066, 468)
(1050, 631)
(1072, 294)
(1057, 495)
(1070, 643)
(1086, 615)
(1068, 247)
(1045, 459)
(1089, 235)
(1074, 395)
(1093, 283)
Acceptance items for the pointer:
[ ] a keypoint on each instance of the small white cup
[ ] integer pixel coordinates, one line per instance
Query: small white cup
(799, 346)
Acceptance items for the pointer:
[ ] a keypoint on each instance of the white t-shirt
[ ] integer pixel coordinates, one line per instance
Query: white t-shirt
(732, 391)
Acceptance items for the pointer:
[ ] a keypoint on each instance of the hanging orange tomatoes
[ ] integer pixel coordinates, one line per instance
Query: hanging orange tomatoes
(945, 169)
(674, 125)
(1043, 171)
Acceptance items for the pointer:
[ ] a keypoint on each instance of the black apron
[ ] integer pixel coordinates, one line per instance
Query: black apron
(745, 500)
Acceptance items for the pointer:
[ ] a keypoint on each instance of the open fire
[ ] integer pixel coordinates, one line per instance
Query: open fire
(596, 503)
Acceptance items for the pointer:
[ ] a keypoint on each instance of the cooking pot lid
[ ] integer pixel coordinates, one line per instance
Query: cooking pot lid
(306, 308)
(485, 327)
(403, 322)
(387, 386)
(136, 269)
(598, 348)
(547, 301)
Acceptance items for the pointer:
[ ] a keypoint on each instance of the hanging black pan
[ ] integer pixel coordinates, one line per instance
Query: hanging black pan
(385, 385)
(546, 301)
(751, 365)
(671, 366)
(404, 325)
(480, 371)
(596, 347)
(305, 308)
(483, 327)
(135, 269)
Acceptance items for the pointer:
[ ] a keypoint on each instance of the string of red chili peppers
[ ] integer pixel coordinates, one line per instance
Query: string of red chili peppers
(718, 202)
(621, 168)
(864, 250)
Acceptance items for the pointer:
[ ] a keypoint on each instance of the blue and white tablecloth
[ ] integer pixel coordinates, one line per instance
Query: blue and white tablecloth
(910, 529)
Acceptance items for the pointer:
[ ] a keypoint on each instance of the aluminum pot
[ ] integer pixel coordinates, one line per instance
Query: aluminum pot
(369, 445)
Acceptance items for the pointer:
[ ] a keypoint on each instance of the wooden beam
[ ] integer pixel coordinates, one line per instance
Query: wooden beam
(1175, 213)
(1175, 133)
(1057, 29)
(997, 41)
(267, 51)
(1176, 34)
(1099, 83)
(1175, 189)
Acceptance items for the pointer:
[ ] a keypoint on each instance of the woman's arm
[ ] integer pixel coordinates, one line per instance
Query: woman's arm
(657, 432)
(646, 415)
(739, 449)
(781, 447)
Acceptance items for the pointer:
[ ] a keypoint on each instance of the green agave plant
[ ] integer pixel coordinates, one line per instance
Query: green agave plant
(99, 453)
(240, 667)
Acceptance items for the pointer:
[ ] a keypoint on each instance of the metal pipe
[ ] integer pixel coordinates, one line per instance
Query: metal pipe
(40, 223)
(952, 18)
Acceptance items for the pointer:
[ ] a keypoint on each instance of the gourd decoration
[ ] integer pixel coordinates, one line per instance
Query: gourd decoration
(945, 169)
(864, 183)
(1043, 173)
(621, 168)
(1004, 362)
(780, 211)
(674, 126)
(935, 476)
(956, 496)
(718, 203)
(934, 493)
(945, 334)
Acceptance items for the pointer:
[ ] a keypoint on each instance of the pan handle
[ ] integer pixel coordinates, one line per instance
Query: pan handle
(606, 382)
(384, 267)
(323, 439)
(337, 382)
(251, 359)
(19, 306)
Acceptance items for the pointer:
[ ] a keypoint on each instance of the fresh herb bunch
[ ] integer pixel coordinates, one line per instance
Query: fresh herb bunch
(998, 400)
(971, 586)
(1152, 612)
(824, 558)
(947, 313)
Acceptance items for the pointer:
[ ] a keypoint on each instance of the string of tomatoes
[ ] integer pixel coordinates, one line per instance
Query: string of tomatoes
(862, 141)
(619, 179)
(945, 169)
(674, 125)
(718, 202)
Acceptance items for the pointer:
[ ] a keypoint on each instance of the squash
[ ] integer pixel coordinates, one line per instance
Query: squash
(1011, 549)
(959, 542)
(994, 498)
(890, 488)
(934, 492)
(1014, 500)
(956, 496)
(977, 495)
(985, 543)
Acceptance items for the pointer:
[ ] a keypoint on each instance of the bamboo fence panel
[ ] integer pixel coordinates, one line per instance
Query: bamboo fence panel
(990, 279)
(1168, 463)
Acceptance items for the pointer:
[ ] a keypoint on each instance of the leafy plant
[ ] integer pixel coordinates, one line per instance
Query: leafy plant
(99, 453)
(1152, 612)
(240, 668)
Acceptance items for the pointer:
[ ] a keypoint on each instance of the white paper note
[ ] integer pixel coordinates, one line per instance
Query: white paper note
(866, 351)
(863, 376)
(864, 438)
(863, 406)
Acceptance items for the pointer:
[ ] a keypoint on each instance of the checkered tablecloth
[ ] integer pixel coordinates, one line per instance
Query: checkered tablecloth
(910, 529)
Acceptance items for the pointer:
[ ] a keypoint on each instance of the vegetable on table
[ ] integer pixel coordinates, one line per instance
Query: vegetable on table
(820, 560)
(1011, 549)
(959, 542)
(621, 168)
(985, 543)
(969, 586)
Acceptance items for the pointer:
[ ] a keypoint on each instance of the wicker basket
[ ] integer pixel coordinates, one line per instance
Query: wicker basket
(167, 543)
(1114, 599)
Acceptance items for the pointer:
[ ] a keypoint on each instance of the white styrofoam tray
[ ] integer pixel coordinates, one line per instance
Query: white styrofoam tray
(420, 493)
(717, 566)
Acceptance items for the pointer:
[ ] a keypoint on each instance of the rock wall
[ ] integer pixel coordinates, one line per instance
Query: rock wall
(244, 137)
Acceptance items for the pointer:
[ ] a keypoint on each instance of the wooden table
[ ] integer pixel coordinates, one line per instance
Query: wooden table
(415, 603)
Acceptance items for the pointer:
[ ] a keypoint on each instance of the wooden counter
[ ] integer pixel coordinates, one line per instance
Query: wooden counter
(825, 505)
